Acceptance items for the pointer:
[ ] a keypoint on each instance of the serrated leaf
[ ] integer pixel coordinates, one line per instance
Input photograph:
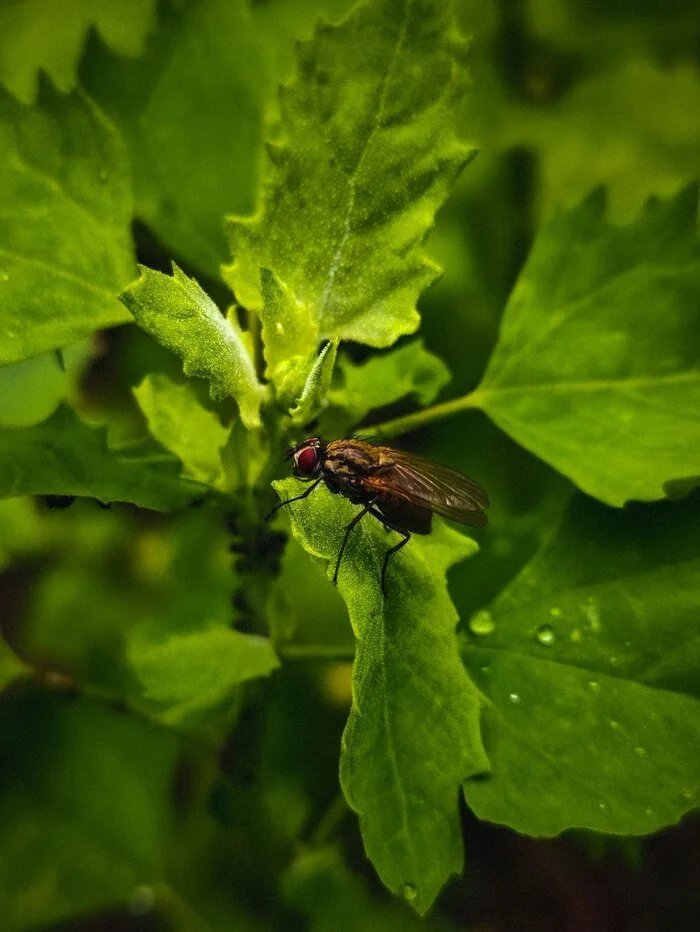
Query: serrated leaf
(63, 456)
(368, 155)
(193, 163)
(189, 675)
(597, 368)
(384, 379)
(65, 241)
(413, 733)
(315, 391)
(179, 421)
(591, 662)
(33, 38)
(176, 312)
(84, 807)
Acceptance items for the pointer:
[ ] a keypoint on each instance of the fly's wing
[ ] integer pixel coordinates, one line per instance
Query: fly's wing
(429, 485)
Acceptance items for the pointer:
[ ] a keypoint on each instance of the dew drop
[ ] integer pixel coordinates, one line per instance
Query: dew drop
(486, 669)
(555, 612)
(602, 806)
(614, 725)
(546, 635)
(640, 752)
(648, 812)
(481, 624)
(4, 275)
(575, 635)
(515, 698)
(409, 891)
(594, 686)
(279, 328)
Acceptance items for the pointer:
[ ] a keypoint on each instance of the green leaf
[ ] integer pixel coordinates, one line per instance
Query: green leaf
(368, 155)
(85, 820)
(63, 456)
(315, 391)
(33, 38)
(189, 675)
(591, 662)
(384, 379)
(191, 110)
(10, 665)
(178, 420)
(65, 242)
(289, 329)
(413, 733)
(597, 368)
(176, 312)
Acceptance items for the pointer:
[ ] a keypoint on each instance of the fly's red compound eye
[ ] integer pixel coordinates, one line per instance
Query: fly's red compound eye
(306, 460)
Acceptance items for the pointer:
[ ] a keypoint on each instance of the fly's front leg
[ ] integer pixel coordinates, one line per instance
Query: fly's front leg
(297, 498)
(358, 517)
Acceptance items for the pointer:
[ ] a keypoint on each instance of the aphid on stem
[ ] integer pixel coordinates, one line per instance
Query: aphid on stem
(400, 489)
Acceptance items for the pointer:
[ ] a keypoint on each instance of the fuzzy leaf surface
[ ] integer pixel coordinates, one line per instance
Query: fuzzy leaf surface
(65, 240)
(176, 312)
(413, 732)
(367, 156)
(592, 669)
(63, 456)
(597, 367)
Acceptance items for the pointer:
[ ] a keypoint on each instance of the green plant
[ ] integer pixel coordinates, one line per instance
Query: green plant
(564, 693)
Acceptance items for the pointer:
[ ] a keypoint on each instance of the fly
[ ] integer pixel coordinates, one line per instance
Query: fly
(401, 490)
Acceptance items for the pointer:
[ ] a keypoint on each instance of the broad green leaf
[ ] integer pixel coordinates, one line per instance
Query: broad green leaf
(188, 675)
(178, 420)
(591, 662)
(413, 733)
(65, 242)
(192, 112)
(597, 368)
(367, 156)
(34, 38)
(176, 312)
(289, 328)
(63, 456)
(84, 806)
(315, 391)
(384, 379)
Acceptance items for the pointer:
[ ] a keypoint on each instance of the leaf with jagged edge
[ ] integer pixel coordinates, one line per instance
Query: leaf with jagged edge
(64, 456)
(315, 391)
(414, 732)
(367, 157)
(597, 367)
(65, 238)
(176, 312)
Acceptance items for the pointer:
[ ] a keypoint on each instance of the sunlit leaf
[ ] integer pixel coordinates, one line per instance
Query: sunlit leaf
(180, 315)
(367, 156)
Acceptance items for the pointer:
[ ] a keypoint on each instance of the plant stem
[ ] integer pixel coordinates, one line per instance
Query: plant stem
(402, 425)
(323, 652)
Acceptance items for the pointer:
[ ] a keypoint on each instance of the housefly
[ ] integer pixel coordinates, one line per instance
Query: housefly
(400, 489)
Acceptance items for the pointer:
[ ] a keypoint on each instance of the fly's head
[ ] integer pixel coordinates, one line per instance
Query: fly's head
(308, 458)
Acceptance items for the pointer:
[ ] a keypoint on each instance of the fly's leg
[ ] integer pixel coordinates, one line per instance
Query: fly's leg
(392, 550)
(358, 517)
(297, 498)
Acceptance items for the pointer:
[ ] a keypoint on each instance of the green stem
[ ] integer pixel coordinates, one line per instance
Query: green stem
(402, 425)
(323, 652)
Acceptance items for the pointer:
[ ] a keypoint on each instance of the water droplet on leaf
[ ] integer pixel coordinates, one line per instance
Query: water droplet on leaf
(514, 698)
(614, 725)
(546, 635)
(640, 752)
(594, 686)
(481, 624)
(408, 891)
(576, 635)
(555, 612)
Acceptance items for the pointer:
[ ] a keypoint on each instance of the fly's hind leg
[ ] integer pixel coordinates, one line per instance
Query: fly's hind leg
(392, 550)
(348, 530)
